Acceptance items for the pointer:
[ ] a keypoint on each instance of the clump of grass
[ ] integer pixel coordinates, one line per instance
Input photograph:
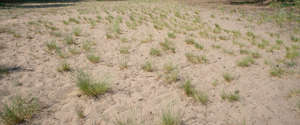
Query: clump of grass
(124, 40)
(189, 41)
(127, 121)
(74, 50)
(65, 67)
(231, 97)
(56, 33)
(190, 91)
(251, 35)
(195, 59)
(91, 87)
(198, 46)
(69, 39)
(244, 51)
(167, 46)
(227, 51)
(276, 71)
(74, 20)
(217, 29)
(77, 31)
(294, 92)
(155, 52)
(61, 53)
(93, 58)
(52, 45)
(224, 37)
(245, 62)
(292, 53)
(279, 42)
(172, 77)
(18, 110)
(171, 118)
(169, 67)
(298, 104)
(228, 77)
(79, 112)
(263, 44)
(172, 35)
(255, 55)
(148, 39)
(148, 66)
(216, 46)
(295, 39)
(123, 64)
(124, 50)
(87, 45)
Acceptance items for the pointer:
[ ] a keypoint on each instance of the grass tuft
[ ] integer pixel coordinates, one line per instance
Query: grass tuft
(52, 45)
(171, 118)
(276, 71)
(93, 58)
(246, 62)
(155, 52)
(65, 67)
(167, 46)
(190, 91)
(231, 97)
(228, 77)
(172, 35)
(195, 59)
(91, 87)
(18, 110)
(124, 50)
(148, 67)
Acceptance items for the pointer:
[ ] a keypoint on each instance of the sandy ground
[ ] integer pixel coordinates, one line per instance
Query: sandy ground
(141, 95)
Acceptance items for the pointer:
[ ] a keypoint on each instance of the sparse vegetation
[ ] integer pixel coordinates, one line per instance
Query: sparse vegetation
(276, 71)
(195, 59)
(172, 35)
(69, 39)
(192, 92)
(228, 77)
(91, 87)
(124, 50)
(155, 52)
(93, 58)
(171, 118)
(148, 67)
(77, 31)
(65, 67)
(167, 45)
(245, 62)
(231, 97)
(18, 110)
(52, 45)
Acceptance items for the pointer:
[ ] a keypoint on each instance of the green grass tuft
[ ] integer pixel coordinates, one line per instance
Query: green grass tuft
(167, 46)
(276, 71)
(155, 52)
(18, 110)
(93, 58)
(172, 35)
(171, 118)
(228, 77)
(245, 62)
(195, 59)
(148, 67)
(190, 91)
(65, 67)
(231, 97)
(91, 87)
